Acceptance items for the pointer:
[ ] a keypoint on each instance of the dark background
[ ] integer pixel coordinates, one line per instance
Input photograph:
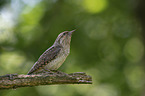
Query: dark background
(108, 43)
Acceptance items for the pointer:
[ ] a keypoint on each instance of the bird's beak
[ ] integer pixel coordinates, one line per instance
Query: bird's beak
(70, 33)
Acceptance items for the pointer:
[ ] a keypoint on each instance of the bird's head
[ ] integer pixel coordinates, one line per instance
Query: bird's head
(64, 38)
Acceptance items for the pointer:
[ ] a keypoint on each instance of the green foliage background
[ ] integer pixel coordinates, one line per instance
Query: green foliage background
(107, 44)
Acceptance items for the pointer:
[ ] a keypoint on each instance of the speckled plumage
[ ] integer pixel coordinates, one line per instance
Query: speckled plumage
(54, 56)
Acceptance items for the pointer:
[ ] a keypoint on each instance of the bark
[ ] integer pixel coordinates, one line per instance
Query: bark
(13, 81)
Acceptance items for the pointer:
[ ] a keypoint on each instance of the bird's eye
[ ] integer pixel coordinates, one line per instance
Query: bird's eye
(64, 33)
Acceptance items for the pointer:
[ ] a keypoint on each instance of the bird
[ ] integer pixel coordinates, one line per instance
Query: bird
(54, 56)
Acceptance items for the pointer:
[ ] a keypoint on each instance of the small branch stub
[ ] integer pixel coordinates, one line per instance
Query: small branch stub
(13, 81)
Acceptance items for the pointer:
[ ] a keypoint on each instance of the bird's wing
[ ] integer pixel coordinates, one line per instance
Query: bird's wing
(45, 58)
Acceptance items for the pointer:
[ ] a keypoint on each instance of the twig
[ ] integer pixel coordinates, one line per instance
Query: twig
(13, 81)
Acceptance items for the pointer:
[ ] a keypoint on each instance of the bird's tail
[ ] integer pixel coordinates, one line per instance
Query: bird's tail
(33, 69)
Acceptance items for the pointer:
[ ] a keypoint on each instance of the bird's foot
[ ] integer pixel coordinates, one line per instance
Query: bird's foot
(59, 72)
(51, 72)
(47, 71)
(42, 72)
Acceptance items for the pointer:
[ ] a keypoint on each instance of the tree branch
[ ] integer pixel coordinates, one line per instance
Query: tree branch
(13, 81)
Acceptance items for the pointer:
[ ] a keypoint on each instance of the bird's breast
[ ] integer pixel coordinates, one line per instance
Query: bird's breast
(58, 61)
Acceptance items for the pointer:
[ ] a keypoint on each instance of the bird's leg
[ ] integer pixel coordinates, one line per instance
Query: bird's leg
(59, 72)
(45, 70)
(42, 71)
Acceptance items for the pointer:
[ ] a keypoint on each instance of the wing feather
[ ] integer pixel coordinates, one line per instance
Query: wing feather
(45, 58)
